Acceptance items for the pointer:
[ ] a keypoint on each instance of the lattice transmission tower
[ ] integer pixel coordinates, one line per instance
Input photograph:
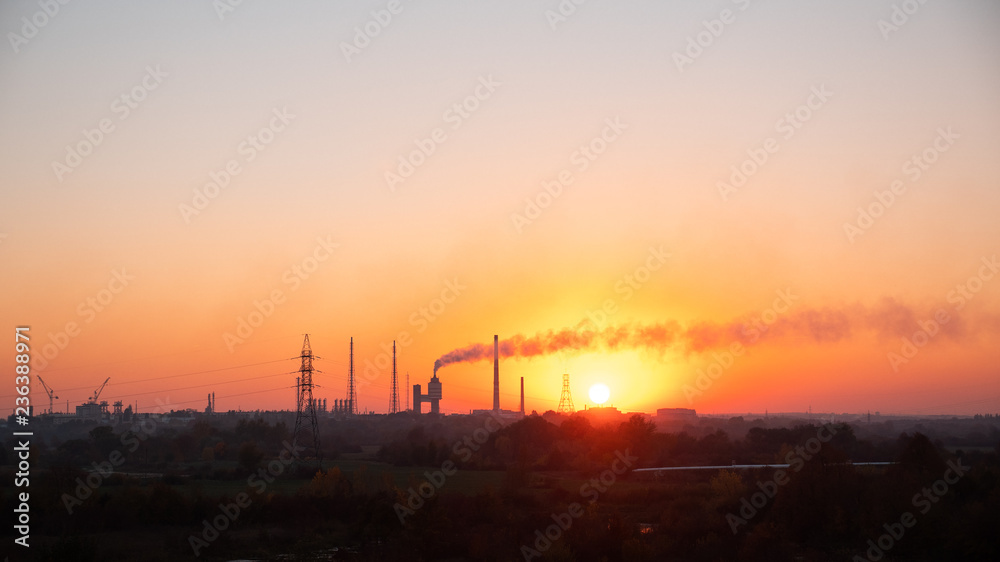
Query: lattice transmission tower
(394, 398)
(352, 390)
(565, 399)
(306, 426)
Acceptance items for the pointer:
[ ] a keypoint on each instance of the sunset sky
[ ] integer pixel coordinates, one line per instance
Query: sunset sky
(306, 117)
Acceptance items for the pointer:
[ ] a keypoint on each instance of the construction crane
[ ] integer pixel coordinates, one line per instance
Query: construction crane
(52, 396)
(97, 393)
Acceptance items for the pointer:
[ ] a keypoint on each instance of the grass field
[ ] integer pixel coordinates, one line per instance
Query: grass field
(463, 481)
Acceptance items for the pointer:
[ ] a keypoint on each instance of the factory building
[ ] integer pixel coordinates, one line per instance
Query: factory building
(675, 417)
(433, 396)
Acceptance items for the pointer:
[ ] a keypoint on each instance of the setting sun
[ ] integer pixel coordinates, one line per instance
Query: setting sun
(343, 293)
(599, 393)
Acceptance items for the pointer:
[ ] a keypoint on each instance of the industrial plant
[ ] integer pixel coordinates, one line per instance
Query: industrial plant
(309, 408)
(496, 410)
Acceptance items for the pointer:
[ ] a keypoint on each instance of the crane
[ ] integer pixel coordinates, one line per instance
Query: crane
(97, 393)
(52, 396)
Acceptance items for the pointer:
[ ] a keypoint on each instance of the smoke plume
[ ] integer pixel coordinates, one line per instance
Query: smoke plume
(886, 319)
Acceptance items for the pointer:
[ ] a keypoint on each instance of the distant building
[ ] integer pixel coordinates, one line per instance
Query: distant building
(602, 415)
(509, 415)
(675, 416)
(91, 411)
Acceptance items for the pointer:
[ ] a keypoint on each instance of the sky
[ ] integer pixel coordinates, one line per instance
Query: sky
(732, 206)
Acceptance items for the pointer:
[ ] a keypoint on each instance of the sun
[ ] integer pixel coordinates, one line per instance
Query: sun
(599, 393)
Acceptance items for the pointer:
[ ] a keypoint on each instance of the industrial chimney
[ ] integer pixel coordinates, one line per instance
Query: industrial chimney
(496, 374)
(522, 396)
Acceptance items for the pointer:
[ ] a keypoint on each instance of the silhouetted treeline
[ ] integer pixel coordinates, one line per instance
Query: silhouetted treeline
(406, 504)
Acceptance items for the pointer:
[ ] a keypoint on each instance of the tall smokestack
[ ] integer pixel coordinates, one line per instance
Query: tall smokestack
(496, 374)
(522, 396)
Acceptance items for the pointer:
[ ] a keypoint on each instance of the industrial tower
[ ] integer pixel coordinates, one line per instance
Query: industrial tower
(565, 399)
(306, 427)
(352, 391)
(394, 399)
(496, 374)
(522, 396)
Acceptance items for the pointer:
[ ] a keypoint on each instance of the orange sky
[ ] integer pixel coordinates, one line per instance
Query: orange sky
(508, 109)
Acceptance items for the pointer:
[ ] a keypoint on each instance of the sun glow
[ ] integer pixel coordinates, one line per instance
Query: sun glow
(599, 393)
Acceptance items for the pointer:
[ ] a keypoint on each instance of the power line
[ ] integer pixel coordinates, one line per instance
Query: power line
(202, 385)
(195, 350)
(952, 405)
(230, 395)
(202, 399)
(166, 376)
(176, 389)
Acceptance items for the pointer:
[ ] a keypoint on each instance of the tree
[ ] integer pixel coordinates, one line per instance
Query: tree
(250, 456)
(105, 439)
